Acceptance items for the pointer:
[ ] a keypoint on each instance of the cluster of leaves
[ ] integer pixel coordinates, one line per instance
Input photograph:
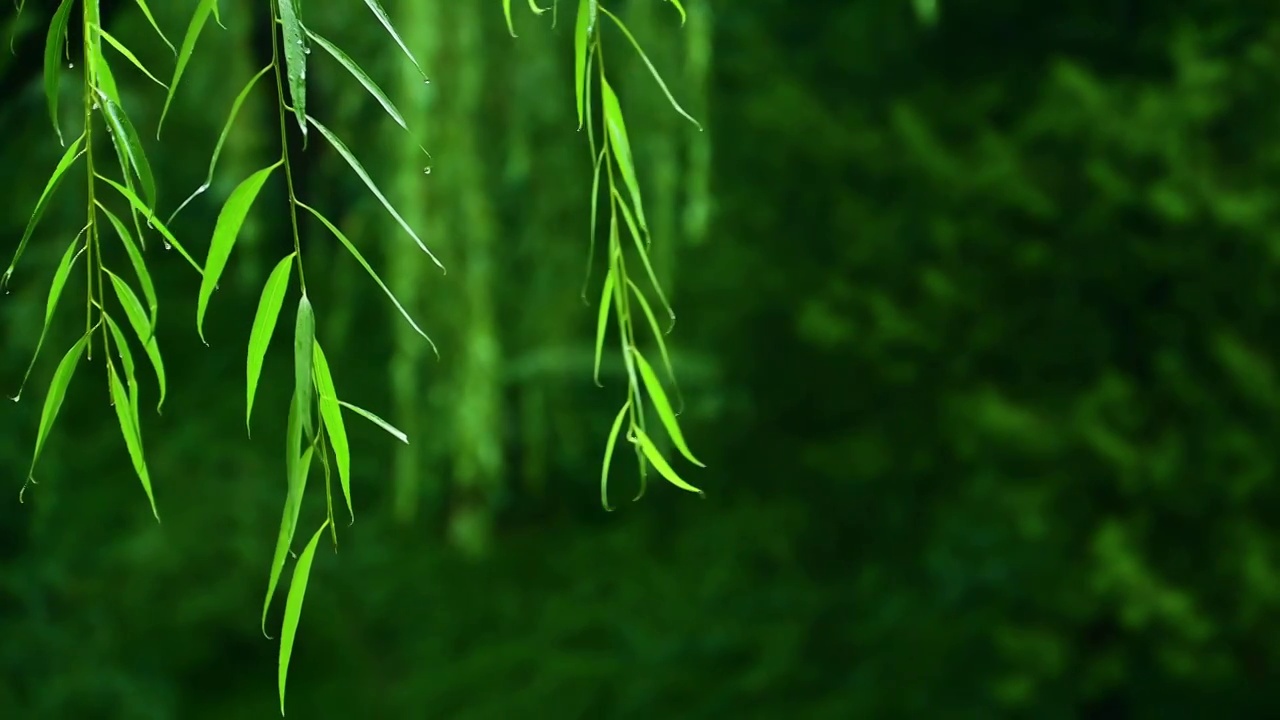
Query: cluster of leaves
(315, 426)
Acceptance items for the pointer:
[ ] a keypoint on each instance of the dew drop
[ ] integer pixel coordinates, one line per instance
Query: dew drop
(426, 170)
(167, 246)
(70, 65)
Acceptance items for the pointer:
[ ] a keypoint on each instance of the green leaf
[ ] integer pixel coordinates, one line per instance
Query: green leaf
(53, 43)
(132, 437)
(51, 303)
(139, 264)
(351, 248)
(381, 14)
(126, 360)
(296, 470)
(138, 319)
(660, 463)
(304, 341)
(128, 55)
(198, 20)
(608, 454)
(368, 181)
(152, 220)
(331, 415)
(581, 39)
(73, 153)
(225, 231)
(388, 427)
(127, 140)
(644, 258)
(57, 392)
(602, 320)
(222, 139)
(591, 233)
(684, 17)
(657, 336)
(663, 406)
(653, 70)
(146, 12)
(295, 59)
(293, 606)
(264, 325)
(361, 76)
(506, 12)
(617, 131)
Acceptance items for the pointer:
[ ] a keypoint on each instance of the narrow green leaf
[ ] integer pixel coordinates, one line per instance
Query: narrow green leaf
(388, 427)
(684, 17)
(73, 253)
(657, 336)
(132, 438)
(225, 231)
(660, 463)
(57, 392)
(653, 70)
(293, 606)
(331, 415)
(381, 14)
(644, 258)
(368, 182)
(142, 327)
(617, 131)
(222, 139)
(198, 20)
(304, 341)
(662, 406)
(581, 39)
(351, 248)
(146, 12)
(591, 233)
(152, 220)
(296, 470)
(73, 153)
(608, 454)
(295, 59)
(128, 55)
(127, 140)
(139, 264)
(602, 319)
(264, 326)
(361, 76)
(53, 43)
(126, 360)
(506, 12)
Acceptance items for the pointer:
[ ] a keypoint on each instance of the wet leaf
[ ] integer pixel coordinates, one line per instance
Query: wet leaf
(198, 20)
(295, 59)
(132, 436)
(73, 252)
(142, 328)
(53, 44)
(293, 606)
(57, 392)
(264, 326)
(225, 231)
(73, 153)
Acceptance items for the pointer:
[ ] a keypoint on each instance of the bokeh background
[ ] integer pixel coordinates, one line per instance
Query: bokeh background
(977, 337)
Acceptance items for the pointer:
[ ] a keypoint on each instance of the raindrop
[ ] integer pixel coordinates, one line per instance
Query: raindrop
(426, 170)
(306, 51)
(70, 65)
(167, 246)
(426, 81)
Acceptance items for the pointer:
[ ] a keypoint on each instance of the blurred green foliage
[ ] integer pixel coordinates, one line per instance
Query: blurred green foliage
(978, 348)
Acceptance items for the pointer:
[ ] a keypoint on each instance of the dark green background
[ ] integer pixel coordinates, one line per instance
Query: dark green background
(979, 347)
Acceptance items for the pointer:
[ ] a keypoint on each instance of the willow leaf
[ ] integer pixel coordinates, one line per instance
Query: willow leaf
(684, 17)
(351, 248)
(296, 471)
(53, 61)
(361, 76)
(293, 606)
(152, 221)
(304, 341)
(368, 182)
(225, 231)
(198, 20)
(657, 336)
(222, 139)
(381, 14)
(132, 437)
(644, 258)
(73, 252)
(609, 446)
(662, 406)
(388, 427)
(602, 319)
(647, 63)
(139, 264)
(56, 394)
(72, 153)
(660, 463)
(581, 40)
(142, 327)
(295, 59)
(264, 326)
(127, 140)
(617, 131)
(331, 415)
(128, 55)
(126, 361)
(146, 12)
